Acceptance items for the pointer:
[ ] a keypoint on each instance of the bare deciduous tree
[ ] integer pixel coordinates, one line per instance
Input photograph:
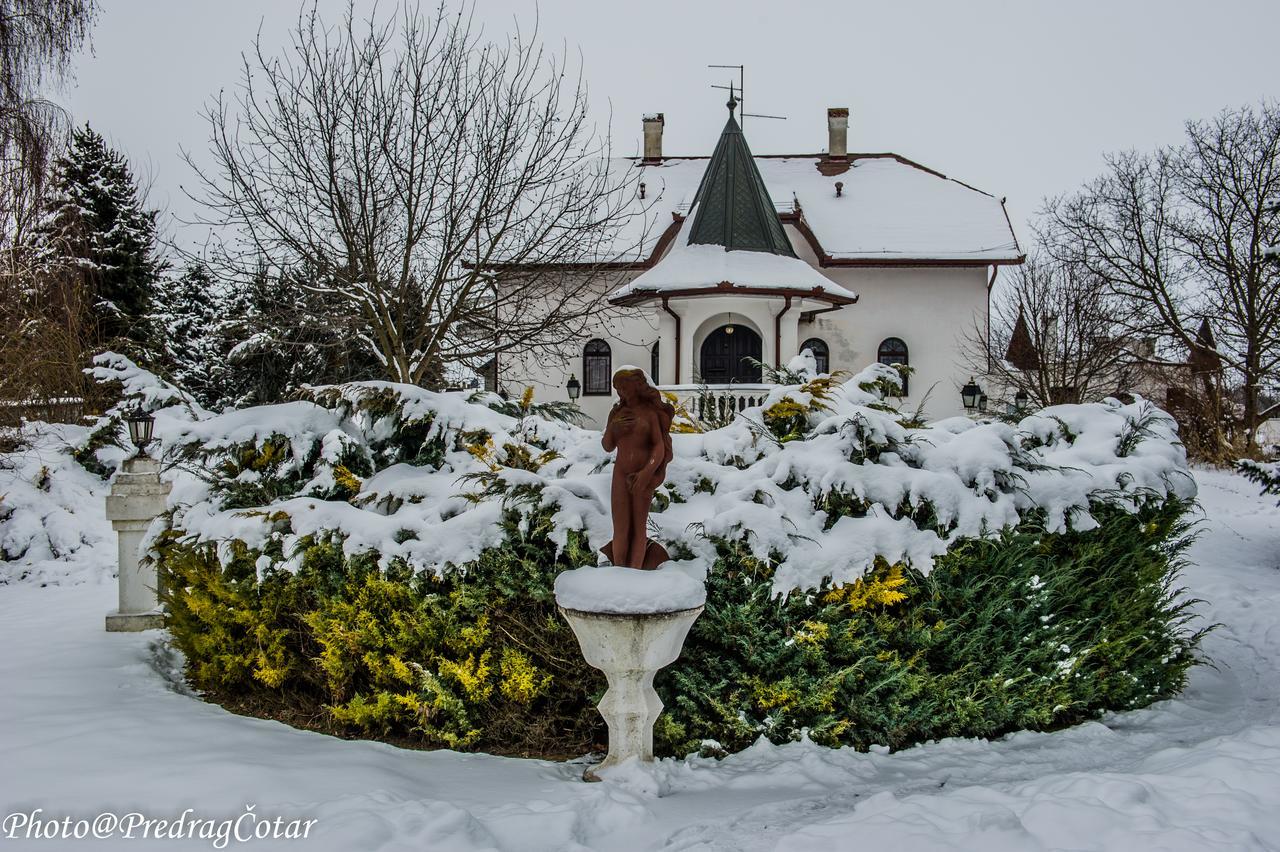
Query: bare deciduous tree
(1178, 237)
(42, 317)
(43, 334)
(37, 41)
(1052, 336)
(403, 160)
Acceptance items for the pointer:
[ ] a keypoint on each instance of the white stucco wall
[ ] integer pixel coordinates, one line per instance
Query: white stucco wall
(932, 309)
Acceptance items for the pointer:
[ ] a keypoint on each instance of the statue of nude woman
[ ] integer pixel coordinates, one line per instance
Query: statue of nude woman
(639, 428)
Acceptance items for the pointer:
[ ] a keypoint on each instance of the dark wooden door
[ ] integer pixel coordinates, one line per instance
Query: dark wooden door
(726, 358)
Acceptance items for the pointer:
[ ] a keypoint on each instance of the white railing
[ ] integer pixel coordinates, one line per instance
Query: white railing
(716, 403)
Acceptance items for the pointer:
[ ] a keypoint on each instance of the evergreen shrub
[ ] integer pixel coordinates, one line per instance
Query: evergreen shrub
(377, 560)
(474, 659)
(1266, 475)
(1032, 630)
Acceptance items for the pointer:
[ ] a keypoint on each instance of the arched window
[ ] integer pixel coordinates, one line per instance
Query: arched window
(597, 368)
(820, 353)
(654, 364)
(894, 351)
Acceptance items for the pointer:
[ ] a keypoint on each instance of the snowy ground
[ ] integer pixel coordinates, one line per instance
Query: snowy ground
(92, 722)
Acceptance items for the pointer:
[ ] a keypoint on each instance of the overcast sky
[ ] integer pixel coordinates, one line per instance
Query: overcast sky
(1020, 99)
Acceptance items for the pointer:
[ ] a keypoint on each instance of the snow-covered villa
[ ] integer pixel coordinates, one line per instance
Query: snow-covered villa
(856, 257)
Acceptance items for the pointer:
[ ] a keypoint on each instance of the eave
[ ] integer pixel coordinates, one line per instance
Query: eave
(659, 248)
(825, 260)
(728, 288)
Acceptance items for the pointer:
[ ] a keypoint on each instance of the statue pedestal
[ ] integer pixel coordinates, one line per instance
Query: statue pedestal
(630, 648)
(137, 498)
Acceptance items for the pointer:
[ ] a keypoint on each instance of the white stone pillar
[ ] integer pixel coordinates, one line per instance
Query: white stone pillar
(630, 649)
(689, 364)
(137, 498)
(789, 328)
(667, 345)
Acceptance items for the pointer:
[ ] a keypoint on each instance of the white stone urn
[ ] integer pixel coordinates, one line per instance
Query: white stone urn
(629, 646)
(137, 498)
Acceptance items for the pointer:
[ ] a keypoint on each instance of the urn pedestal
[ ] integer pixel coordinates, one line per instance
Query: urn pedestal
(137, 498)
(629, 648)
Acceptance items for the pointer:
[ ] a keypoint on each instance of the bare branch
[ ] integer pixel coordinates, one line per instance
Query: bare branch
(399, 159)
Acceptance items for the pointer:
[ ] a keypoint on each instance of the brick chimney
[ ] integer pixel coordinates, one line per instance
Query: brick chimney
(838, 133)
(653, 137)
(836, 161)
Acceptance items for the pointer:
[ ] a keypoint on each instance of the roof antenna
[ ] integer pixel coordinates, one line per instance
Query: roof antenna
(741, 100)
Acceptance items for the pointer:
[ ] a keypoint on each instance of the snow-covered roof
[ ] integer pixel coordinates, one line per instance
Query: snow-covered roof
(710, 267)
(890, 210)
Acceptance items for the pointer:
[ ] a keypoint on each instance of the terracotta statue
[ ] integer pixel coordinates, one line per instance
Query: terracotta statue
(639, 427)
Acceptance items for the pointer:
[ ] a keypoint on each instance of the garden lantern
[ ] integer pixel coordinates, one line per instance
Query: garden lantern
(136, 499)
(969, 395)
(574, 387)
(141, 427)
(982, 403)
(1020, 400)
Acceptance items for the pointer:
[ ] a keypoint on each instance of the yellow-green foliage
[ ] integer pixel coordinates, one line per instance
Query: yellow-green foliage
(486, 453)
(346, 480)
(228, 643)
(264, 457)
(788, 418)
(1027, 630)
(522, 682)
(447, 661)
(682, 422)
(1030, 630)
(822, 388)
(516, 456)
(395, 659)
(785, 409)
(883, 587)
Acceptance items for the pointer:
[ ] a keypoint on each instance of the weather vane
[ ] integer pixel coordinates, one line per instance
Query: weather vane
(741, 100)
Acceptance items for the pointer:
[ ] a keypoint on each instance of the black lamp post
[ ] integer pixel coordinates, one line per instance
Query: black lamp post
(574, 387)
(969, 395)
(1020, 400)
(141, 428)
(982, 403)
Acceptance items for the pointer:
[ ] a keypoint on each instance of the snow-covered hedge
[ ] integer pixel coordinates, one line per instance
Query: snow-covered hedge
(377, 558)
(420, 477)
(51, 524)
(1266, 474)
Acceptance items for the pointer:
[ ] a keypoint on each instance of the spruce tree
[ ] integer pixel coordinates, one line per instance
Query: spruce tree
(188, 312)
(95, 224)
(278, 335)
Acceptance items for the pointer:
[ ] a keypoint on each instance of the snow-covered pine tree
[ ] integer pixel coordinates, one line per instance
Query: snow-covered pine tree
(278, 335)
(186, 319)
(95, 223)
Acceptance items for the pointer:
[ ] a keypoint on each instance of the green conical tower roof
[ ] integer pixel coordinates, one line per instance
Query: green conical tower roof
(734, 209)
